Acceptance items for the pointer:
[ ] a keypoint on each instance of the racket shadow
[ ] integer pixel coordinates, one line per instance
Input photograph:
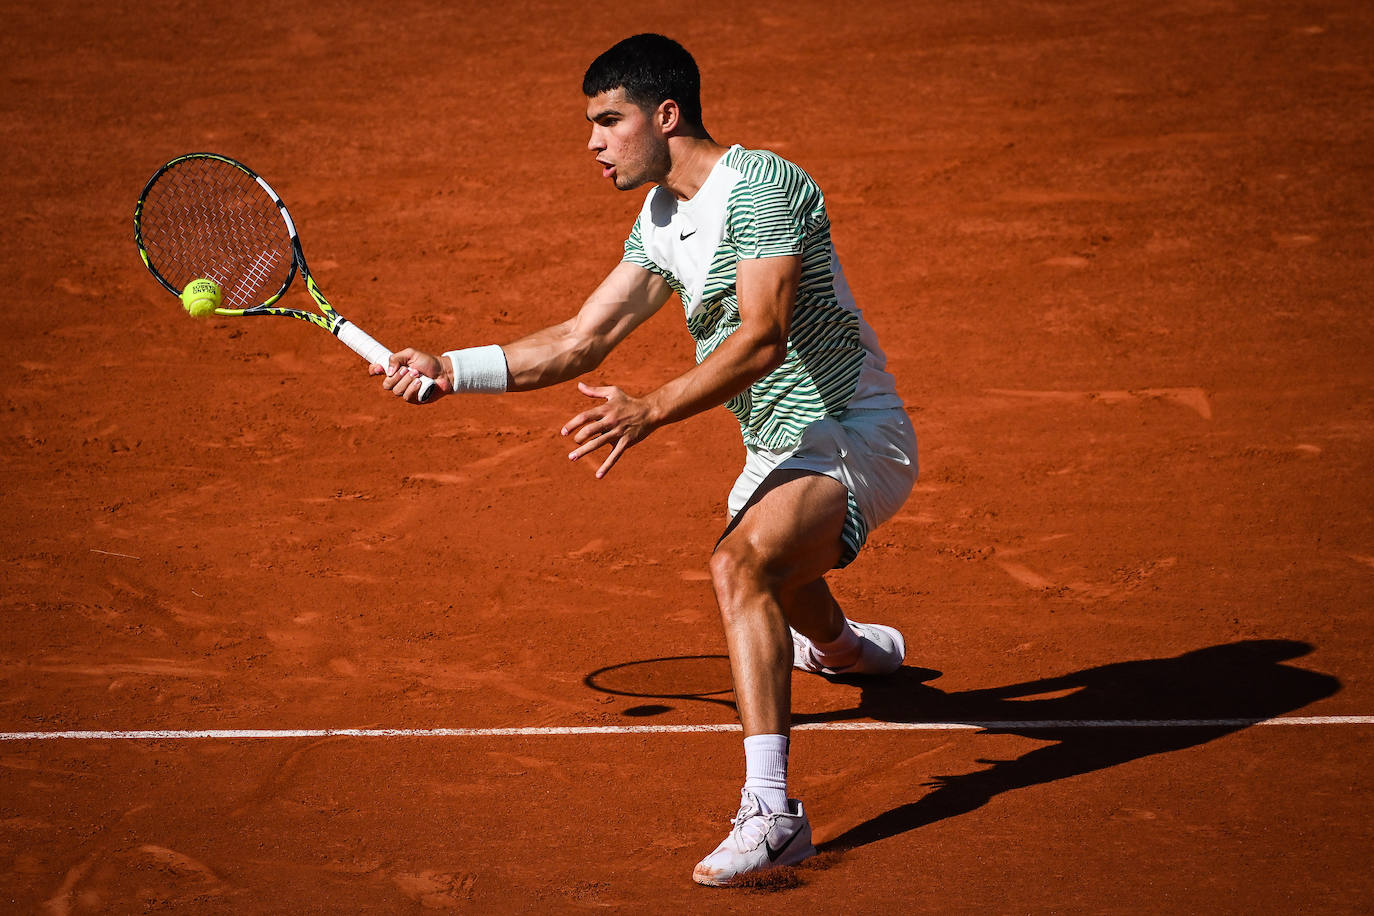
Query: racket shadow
(698, 678)
(702, 678)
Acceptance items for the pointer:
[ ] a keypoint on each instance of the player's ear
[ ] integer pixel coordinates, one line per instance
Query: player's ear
(668, 116)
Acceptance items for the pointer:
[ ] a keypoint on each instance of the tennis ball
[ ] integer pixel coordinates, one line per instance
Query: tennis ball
(201, 297)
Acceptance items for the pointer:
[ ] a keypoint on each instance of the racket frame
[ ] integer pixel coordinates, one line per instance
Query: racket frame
(328, 317)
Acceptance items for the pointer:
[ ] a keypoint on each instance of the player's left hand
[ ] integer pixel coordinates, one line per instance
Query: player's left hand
(620, 422)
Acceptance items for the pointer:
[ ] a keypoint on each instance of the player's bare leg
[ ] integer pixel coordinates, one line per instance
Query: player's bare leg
(786, 538)
(814, 613)
(782, 542)
(824, 641)
(776, 609)
(787, 533)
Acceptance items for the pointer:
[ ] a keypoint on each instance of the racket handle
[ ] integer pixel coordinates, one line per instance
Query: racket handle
(361, 343)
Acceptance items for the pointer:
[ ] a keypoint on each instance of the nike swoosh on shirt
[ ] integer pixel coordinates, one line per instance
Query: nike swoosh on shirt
(684, 236)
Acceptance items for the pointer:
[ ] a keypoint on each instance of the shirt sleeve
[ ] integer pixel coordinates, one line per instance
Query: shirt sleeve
(635, 253)
(770, 216)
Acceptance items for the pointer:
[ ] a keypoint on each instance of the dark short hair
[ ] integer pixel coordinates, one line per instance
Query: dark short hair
(650, 68)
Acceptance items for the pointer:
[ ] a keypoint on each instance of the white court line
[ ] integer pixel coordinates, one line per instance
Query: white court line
(537, 732)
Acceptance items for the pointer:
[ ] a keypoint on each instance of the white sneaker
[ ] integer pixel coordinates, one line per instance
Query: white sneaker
(881, 651)
(757, 842)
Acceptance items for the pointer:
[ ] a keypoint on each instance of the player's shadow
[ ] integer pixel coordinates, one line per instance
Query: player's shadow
(1238, 683)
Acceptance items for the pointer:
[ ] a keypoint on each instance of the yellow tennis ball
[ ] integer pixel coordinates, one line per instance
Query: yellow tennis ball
(201, 297)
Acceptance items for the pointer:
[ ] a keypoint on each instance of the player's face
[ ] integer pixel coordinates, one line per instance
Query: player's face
(628, 146)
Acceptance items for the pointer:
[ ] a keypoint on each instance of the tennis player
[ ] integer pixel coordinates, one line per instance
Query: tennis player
(743, 239)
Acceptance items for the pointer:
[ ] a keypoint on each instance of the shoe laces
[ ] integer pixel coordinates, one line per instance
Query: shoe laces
(749, 806)
(749, 809)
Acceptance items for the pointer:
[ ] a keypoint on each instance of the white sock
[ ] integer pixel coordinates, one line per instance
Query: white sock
(765, 764)
(844, 647)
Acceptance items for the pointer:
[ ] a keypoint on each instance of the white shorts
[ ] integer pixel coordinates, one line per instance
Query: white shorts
(871, 452)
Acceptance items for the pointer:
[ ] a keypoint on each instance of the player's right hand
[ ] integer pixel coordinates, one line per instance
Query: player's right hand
(404, 372)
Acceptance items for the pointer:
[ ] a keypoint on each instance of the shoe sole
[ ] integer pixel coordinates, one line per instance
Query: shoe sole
(759, 875)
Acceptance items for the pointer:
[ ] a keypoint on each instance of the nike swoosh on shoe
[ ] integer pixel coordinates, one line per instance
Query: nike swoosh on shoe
(773, 854)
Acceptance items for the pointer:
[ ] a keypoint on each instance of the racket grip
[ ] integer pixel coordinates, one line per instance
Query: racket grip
(362, 343)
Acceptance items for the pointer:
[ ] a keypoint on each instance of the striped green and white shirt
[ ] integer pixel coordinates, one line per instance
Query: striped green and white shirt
(755, 204)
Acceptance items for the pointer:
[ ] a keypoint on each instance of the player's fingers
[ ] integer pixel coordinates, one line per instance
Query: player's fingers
(419, 386)
(620, 446)
(593, 391)
(589, 446)
(405, 382)
(399, 359)
(599, 427)
(579, 421)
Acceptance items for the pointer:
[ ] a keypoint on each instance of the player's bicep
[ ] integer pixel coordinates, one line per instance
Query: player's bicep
(625, 299)
(767, 290)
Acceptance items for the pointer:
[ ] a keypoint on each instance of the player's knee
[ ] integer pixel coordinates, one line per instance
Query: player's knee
(738, 570)
(725, 565)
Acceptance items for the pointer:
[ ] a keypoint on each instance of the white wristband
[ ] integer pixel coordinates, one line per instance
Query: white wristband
(479, 369)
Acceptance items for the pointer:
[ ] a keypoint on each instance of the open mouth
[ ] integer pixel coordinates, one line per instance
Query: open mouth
(607, 170)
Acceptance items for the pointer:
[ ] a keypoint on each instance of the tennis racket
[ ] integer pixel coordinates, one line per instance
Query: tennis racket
(206, 215)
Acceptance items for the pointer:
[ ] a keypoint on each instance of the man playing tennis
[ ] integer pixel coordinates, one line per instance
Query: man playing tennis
(743, 239)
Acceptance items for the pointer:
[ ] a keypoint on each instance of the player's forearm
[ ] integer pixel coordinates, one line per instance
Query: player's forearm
(562, 352)
(767, 294)
(537, 360)
(740, 361)
(551, 356)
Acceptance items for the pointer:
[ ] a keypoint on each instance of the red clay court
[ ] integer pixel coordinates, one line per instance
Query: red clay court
(1119, 255)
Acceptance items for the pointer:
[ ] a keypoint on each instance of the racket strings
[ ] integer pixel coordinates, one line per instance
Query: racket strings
(207, 218)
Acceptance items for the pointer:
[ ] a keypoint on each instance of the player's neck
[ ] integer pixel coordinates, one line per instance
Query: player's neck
(692, 161)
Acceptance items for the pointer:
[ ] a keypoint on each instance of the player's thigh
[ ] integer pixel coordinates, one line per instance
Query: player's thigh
(788, 533)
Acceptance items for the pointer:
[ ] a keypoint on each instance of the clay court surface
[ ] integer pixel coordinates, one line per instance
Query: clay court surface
(1119, 255)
